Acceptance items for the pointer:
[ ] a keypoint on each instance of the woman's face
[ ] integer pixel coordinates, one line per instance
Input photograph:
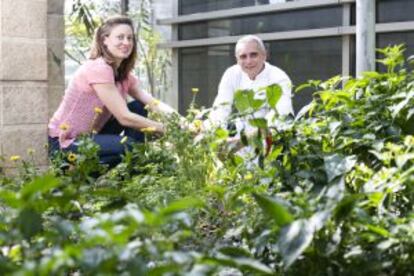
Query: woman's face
(120, 42)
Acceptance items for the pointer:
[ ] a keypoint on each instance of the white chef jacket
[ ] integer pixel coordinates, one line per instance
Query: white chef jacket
(235, 79)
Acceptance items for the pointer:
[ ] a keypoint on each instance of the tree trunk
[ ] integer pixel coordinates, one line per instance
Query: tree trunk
(124, 6)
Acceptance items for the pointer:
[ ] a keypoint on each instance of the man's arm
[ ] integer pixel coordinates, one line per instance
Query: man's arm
(284, 106)
(222, 105)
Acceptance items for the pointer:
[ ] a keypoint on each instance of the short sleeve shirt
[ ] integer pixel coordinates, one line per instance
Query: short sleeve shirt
(76, 113)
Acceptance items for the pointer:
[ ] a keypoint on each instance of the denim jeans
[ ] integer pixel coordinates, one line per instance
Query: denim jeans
(109, 139)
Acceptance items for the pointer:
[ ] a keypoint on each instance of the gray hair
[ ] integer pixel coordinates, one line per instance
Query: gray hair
(250, 38)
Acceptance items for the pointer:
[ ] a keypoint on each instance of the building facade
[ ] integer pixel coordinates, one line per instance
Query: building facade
(31, 76)
(309, 39)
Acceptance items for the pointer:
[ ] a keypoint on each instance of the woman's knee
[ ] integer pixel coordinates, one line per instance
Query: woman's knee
(138, 108)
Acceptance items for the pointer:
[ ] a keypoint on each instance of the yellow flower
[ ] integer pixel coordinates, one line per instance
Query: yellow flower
(72, 157)
(30, 151)
(195, 90)
(198, 124)
(148, 129)
(64, 126)
(248, 176)
(15, 253)
(14, 158)
(124, 139)
(155, 102)
(409, 140)
(98, 110)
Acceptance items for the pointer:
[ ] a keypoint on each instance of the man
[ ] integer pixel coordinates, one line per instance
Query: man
(251, 72)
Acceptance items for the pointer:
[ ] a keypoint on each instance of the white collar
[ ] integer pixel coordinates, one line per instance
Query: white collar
(258, 76)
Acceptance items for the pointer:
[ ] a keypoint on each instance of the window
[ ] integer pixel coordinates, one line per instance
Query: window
(195, 6)
(264, 23)
(388, 39)
(305, 59)
(202, 67)
(390, 11)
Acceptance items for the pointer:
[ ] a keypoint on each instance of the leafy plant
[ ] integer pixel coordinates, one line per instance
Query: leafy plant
(329, 192)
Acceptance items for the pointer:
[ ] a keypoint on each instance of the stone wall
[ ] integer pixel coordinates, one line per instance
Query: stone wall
(31, 74)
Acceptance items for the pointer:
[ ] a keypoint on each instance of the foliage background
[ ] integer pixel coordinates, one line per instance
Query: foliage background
(328, 192)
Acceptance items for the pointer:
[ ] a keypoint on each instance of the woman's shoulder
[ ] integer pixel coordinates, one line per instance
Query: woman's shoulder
(95, 66)
(96, 62)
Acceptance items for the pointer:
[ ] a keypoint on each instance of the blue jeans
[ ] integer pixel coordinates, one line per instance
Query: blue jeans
(108, 138)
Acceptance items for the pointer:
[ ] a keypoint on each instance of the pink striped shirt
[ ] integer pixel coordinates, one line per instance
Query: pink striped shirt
(76, 113)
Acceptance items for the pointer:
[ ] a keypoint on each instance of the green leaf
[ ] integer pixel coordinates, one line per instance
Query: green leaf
(244, 264)
(241, 100)
(345, 207)
(275, 153)
(336, 165)
(294, 239)
(29, 222)
(305, 110)
(258, 122)
(10, 198)
(244, 100)
(273, 209)
(273, 94)
(39, 185)
(303, 86)
(378, 230)
(243, 138)
(221, 134)
(181, 205)
(235, 251)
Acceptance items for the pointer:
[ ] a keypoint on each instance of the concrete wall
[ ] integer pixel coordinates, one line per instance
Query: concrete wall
(31, 74)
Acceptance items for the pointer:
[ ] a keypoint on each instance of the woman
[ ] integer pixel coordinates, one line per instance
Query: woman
(95, 100)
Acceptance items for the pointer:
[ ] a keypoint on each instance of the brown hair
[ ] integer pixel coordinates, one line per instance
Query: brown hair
(100, 50)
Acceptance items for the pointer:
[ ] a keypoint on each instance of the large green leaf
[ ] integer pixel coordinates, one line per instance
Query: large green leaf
(235, 251)
(245, 100)
(242, 263)
(274, 209)
(273, 94)
(258, 122)
(345, 207)
(297, 236)
(294, 239)
(29, 222)
(39, 185)
(337, 165)
(181, 205)
(241, 100)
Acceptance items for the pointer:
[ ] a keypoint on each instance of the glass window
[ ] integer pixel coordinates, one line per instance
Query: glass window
(265, 23)
(388, 39)
(395, 11)
(307, 59)
(195, 6)
(202, 67)
(390, 11)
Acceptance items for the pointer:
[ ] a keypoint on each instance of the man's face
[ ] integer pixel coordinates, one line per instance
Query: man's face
(250, 59)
